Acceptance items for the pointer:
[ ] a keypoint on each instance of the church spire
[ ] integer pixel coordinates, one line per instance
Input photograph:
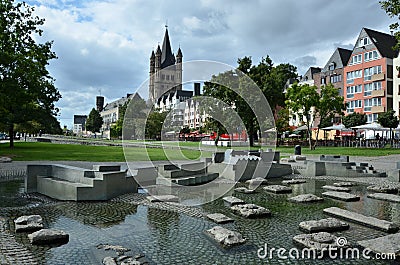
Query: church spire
(167, 57)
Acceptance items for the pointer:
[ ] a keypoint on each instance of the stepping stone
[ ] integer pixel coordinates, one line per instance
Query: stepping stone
(225, 237)
(304, 198)
(278, 189)
(244, 190)
(250, 210)
(386, 244)
(324, 225)
(385, 188)
(294, 181)
(48, 236)
(342, 196)
(257, 181)
(28, 223)
(385, 197)
(163, 198)
(335, 188)
(5, 159)
(231, 201)
(219, 218)
(109, 261)
(343, 184)
(362, 219)
(317, 241)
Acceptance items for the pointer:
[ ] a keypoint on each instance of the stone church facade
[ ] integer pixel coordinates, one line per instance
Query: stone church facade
(165, 70)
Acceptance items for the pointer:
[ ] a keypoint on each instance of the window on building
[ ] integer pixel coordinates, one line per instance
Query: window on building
(353, 75)
(369, 72)
(336, 78)
(323, 81)
(354, 104)
(356, 59)
(372, 102)
(167, 77)
(372, 117)
(372, 86)
(331, 66)
(172, 77)
(364, 41)
(162, 77)
(371, 55)
(351, 90)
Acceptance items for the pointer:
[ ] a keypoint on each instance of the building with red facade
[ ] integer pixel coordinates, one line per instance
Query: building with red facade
(368, 76)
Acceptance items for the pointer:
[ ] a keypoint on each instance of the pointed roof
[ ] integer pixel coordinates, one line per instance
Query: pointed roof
(167, 57)
(339, 58)
(152, 56)
(179, 53)
(384, 42)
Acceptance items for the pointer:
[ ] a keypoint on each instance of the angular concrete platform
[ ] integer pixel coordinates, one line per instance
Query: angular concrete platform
(368, 221)
(386, 244)
(384, 188)
(336, 188)
(70, 183)
(294, 181)
(385, 197)
(324, 225)
(163, 198)
(278, 189)
(341, 196)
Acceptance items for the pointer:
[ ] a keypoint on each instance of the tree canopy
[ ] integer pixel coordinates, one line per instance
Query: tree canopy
(314, 107)
(392, 8)
(27, 90)
(94, 121)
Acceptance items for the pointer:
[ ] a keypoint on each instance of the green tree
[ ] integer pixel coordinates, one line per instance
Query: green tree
(269, 79)
(354, 119)
(389, 120)
(392, 8)
(282, 121)
(27, 90)
(154, 124)
(303, 100)
(330, 103)
(94, 121)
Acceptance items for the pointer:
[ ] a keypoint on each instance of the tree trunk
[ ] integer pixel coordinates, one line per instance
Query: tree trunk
(251, 135)
(316, 139)
(11, 134)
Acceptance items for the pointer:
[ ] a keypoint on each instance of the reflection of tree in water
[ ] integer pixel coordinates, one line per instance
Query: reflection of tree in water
(162, 221)
(99, 214)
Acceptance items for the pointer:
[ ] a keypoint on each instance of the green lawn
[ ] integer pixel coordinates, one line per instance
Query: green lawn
(28, 151)
(350, 151)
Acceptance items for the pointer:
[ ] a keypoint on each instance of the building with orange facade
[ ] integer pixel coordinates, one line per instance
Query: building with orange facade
(368, 76)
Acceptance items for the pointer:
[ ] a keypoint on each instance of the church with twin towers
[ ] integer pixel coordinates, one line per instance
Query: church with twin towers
(165, 69)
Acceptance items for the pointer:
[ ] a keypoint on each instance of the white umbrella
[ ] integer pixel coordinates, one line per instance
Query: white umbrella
(371, 126)
(301, 128)
(337, 127)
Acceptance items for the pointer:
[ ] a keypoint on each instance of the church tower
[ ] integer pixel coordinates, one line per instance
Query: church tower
(165, 70)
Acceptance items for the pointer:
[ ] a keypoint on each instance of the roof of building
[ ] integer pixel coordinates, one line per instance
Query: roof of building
(310, 72)
(121, 101)
(384, 42)
(167, 57)
(339, 58)
(345, 55)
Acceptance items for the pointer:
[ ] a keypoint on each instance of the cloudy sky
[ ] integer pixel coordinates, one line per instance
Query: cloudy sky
(104, 45)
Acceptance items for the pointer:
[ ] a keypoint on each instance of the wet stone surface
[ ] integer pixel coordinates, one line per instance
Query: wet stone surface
(219, 218)
(278, 189)
(324, 225)
(305, 198)
(250, 210)
(293, 181)
(385, 188)
(336, 188)
(170, 233)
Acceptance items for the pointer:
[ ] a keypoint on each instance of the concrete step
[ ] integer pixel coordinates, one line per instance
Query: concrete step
(188, 181)
(183, 173)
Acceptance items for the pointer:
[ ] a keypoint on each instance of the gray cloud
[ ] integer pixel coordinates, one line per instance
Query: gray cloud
(106, 44)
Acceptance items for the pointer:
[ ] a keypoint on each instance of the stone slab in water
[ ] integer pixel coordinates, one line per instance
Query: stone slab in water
(225, 237)
(5, 159)
(231, 201)
(362, 219)
(48, 237)
(317, 241)
(294, 181)
(257, 181)
(343, 184)
(324, 225)
(304, 198)
(109, 261)
(342, 196)
(385, 197)
(335, 188)
(384, 188)
(219, 218)
(385, 244)
(28, 223)
(245, 190)
(250, 210)
(278, 189)
(163, 198)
